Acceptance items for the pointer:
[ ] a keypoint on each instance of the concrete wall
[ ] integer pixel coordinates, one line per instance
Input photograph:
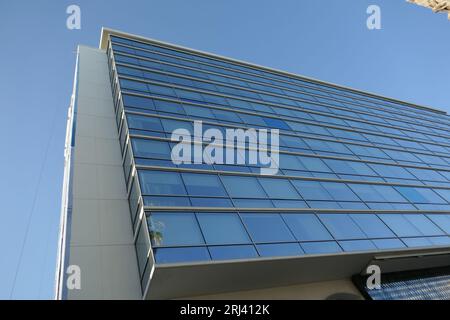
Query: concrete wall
(342, 289)
(101, 239)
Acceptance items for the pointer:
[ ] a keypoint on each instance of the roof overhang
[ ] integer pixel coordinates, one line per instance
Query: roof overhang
(173, 281)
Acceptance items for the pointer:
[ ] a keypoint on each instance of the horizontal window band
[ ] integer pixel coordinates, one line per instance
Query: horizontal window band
(304, 110)
(290, 241)
(387, 147)
(309, 155)
(272, 104)
(248, 174)
(150, 209)
(379, 99)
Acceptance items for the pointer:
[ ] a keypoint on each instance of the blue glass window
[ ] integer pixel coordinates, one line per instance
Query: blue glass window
(357, 245)
(266, 227)
(233, 252)
(144, 123)
(174, 229)
(314, 164)
(391, 171)
(311, 190)
(133, 85)
(420, 195)
(138, 102)
(168, 106)
(339, 191)
(288, 161)
(243, 187)
(162, 183)
(423, 224)
(400, 225)
(203, 185)
(279, 250)
(276, 123)
(444, 193)
(174, 255)
(151, 148)
(385, 244)
(157, 201)
(367, 192)
(372, 226)
(427, 175)
(440, 241)
(289, 204)
(278, 188)
(222, 228)
(211, 202)
(321, 247)
(342, 226)
(306, 227)
(442, 220)
(417, 242)
(172, 125)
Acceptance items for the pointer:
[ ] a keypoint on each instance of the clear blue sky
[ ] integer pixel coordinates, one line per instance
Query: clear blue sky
(407, 59)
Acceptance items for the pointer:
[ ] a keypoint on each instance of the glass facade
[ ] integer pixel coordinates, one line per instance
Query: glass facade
(356, 172)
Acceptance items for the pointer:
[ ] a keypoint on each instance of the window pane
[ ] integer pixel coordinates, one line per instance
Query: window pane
(367, 192)
(243, 187)
(401, 226)
(138, 102)
(203, 185)
(440, 241)
(311, 190)
(279, 189)
(150, 149)
(388, 243)
(314, 164)
(233, 252)
(158, 201)
(163, 183)
(417, 242)
(339, 191)
(173, 255)
(321, 247)
(389, 193)
(420, 195)
(279, 250)
(173, 229)
(443, 193)
(144, 123)
(357, 245)
(306, 227)
(288, 161)
(222, 228)
(372, 226)
(342, 226)
(266, 227)
(442, 220)
(423, 224)
(252, 203)
(211, 202)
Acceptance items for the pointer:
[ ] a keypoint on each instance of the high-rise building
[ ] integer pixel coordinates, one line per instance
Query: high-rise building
(360, 181)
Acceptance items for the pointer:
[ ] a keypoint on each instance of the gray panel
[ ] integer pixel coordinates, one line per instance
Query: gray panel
(101, 233)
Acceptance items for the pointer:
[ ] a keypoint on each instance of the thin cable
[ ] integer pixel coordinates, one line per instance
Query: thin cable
(33, 206)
